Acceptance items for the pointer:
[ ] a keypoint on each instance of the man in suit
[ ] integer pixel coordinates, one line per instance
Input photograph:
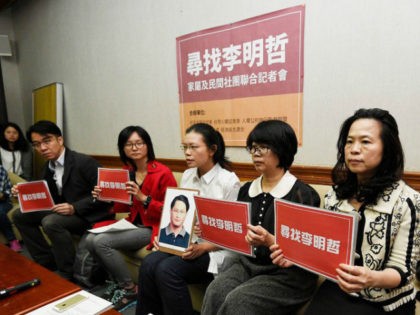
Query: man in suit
(70, 177)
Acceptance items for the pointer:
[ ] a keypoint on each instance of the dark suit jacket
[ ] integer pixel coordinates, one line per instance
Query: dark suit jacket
(80, 175)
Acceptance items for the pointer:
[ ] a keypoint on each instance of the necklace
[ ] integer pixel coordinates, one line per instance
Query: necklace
(140, 177)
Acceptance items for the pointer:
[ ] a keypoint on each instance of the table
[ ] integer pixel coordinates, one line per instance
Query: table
(15, 268)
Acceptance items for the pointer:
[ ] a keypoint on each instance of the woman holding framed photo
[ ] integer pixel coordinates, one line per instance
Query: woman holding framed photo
(164, 277)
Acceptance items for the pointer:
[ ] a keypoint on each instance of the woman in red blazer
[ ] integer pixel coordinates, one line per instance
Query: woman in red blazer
(148, 182)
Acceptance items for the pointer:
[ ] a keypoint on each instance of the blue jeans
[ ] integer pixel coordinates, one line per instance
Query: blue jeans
(163, 283)
(5, 225)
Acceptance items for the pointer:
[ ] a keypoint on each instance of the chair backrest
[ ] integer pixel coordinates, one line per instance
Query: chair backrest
(15, 179)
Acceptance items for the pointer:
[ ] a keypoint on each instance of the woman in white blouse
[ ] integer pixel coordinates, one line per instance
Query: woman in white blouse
(15, 151)
(163, 277)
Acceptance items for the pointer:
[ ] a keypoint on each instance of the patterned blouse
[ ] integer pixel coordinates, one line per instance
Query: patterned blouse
(388, 237)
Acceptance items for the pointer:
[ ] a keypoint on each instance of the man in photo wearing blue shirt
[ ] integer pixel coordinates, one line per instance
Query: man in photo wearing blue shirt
(175, 233)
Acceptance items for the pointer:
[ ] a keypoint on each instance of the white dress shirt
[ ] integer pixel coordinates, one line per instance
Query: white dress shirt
(57, 167)
(217, 183)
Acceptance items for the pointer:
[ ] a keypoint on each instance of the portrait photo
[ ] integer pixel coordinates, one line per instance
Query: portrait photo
(177, 220)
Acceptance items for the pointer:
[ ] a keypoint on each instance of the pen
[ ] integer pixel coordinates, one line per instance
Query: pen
(17, 288)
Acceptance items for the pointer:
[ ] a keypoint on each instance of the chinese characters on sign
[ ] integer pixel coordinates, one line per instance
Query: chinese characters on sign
(317, 241)
(224, 223)
(112, 183)
(252, 54)
(247, 72)
(313, 238)
(220, 224)
(273, 48)
(34, 196)
(238, 80)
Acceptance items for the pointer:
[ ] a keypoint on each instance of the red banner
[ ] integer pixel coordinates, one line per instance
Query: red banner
(245, 72)
(112, 182)
(224, 223)
(34, 196)
(315, 239)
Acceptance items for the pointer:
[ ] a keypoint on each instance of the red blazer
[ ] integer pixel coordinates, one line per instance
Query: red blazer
(158, 178)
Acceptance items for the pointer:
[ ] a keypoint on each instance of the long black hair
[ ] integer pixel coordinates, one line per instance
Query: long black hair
(389, 170)
(214, 141)
(20, 145)
(122, 140)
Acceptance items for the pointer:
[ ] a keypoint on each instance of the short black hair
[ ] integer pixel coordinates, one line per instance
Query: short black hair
(122, 140)
(389, 170)
(20, 145)
(43, 127)
(279, 136)
(182, 198)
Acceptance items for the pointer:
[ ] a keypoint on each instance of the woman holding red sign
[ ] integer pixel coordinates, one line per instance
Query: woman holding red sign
(367, 180)
(149, 180)
(254, 285)
(163, 277)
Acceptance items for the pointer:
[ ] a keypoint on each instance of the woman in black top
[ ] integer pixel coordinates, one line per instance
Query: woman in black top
(255, 285)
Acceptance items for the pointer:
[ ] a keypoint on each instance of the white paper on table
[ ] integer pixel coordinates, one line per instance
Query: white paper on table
(92, 305)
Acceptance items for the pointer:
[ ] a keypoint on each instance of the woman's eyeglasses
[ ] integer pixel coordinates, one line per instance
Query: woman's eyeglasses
(185, 147)
(131, 145)
(261, 149)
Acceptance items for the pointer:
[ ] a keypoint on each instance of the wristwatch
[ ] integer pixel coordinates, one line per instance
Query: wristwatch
(147, 202)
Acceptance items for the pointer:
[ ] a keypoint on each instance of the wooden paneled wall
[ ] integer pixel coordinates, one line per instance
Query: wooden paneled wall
(318, 175)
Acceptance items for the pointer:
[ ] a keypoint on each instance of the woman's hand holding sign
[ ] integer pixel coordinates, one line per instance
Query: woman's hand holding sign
(352, 279)
(196, 250)
(258, 236)
(278, 257)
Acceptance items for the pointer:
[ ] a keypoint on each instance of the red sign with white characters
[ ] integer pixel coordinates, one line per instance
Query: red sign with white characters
(236, 75)
(224, 223)
(34, 196)
(112, 182)
(314, 238)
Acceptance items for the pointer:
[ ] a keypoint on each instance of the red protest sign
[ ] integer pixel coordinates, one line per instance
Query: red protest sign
(34, 196)
(112, 183)
(315, 239)
(245, 72)
(224, 223)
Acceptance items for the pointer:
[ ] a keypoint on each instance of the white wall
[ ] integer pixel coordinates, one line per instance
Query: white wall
(9, 65)
(116, 59)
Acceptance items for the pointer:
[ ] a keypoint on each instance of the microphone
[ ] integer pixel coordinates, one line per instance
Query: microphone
(17, 288)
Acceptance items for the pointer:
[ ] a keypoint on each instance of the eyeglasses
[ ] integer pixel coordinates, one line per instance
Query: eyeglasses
(261, 149)
(185, 147)
(46, 141)
(131, 145)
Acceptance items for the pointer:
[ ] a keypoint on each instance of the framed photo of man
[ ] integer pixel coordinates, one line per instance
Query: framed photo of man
(177, 220)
